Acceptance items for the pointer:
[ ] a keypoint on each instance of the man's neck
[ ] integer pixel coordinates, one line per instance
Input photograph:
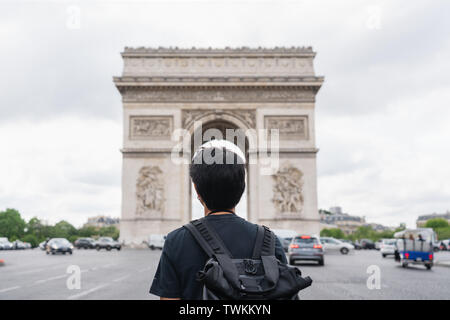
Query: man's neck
(207, 212)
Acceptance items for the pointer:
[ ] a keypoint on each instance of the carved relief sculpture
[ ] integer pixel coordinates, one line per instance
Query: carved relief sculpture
(288, 190)
(289, 127)
(149, 192)
(150, 127)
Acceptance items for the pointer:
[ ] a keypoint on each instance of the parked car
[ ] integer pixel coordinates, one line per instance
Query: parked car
(367, 244)
(85, 243)
(42, 245)
(59, 245)
(357, 245)
(388, 247)
(444, 245)
(27, 245)
(156, 241)
(285, 236)
(378, 244)
(107, 243)
(5, 244)
(332, 244)
(18, 245)
(306, 248)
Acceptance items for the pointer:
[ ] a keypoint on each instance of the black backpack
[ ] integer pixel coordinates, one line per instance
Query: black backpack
(261, 277)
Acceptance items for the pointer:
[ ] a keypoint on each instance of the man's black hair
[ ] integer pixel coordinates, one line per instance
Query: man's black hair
(219, 183)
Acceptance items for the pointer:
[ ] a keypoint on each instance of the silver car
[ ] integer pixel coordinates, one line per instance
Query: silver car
(305, 248)
(5, 244)
(332, 244)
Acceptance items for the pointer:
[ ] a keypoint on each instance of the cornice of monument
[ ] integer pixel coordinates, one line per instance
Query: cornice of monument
(227, 51)
(306, 81)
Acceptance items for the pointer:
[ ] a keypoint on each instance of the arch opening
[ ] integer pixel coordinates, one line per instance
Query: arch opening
(221, 126)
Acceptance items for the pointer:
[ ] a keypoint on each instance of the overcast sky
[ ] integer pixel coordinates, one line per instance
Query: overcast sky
(382, 116)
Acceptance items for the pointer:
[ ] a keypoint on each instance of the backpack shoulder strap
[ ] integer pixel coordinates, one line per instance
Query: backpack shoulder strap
(207, 237)
(211, 243)
(200, 240)
(264, 243)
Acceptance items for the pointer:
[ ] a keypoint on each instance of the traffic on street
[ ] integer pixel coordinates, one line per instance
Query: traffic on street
(127, 274)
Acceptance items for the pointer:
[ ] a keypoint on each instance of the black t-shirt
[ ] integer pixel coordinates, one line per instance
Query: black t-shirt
(182, 257)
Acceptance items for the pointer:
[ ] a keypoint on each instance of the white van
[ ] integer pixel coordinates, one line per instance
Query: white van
(156, 241)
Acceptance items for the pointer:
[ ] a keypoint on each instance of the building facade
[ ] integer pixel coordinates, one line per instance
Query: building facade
(422, 220)
(168, 91)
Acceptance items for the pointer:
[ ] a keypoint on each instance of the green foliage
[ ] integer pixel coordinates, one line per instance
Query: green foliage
(87, 232)
(443, 233)
(31, 239)
(12, 225)
(436, 223)
(363, 232)
(63, 229)
(333, 232)
(110, 231)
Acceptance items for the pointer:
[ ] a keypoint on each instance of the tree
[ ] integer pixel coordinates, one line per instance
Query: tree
(87, 231)
(436, 223)
(110, 231)
(31, 239)
(333, 232)
(63, 229)
(12, 225)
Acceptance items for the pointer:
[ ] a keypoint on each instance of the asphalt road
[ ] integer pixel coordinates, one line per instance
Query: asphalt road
(127, 274)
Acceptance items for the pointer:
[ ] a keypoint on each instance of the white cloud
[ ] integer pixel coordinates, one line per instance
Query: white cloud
(62, 168)
(381, 115)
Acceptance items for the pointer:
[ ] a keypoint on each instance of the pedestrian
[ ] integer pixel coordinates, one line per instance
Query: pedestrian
(219, 187)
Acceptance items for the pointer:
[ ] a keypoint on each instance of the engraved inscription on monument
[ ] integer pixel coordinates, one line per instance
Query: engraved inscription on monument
(288, 190)
(150, 127)
(149, 192)
(294, 127)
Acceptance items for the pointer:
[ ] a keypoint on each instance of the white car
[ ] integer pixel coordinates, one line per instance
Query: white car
(388, 247)
(156, 241)
(5, 244)
(332, 244)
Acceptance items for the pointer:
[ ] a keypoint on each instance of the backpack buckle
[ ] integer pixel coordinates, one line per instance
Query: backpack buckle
(249, 267)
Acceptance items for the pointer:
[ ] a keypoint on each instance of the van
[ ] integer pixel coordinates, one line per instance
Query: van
(156, 241)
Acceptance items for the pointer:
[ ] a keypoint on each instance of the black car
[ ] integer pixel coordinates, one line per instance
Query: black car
(306, 248)
(58, 245)
(367, 244)
(107, 243)
(85, 243)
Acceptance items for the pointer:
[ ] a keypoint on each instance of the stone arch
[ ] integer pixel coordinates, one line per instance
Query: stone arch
(221, 122)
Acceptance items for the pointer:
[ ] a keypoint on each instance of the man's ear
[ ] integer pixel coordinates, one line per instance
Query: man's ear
(198, 196)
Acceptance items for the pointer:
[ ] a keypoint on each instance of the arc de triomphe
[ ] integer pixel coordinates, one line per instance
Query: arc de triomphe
(165, 89)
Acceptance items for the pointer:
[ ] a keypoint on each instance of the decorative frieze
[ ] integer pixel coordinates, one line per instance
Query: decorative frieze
(151, 127)
(149, 192)
(194, 94)
(289, 127)
(246, 116)
(288, 190)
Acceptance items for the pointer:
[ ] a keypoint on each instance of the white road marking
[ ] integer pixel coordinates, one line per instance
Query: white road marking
(9, 289)
(30, 271)
(84, 293)
(122, 278)
(50, 279)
